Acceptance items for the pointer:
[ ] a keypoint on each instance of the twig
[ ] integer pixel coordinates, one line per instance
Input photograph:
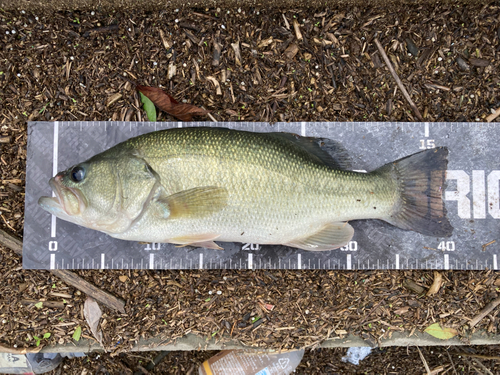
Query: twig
(482, 366)
(4, 349)
(472, 365)
(424, 361)
(16, 245)
(488, 244)
(485, 311)
(495, 358)
(452, 364)
(398, 81)
(209, 115)
(493, 116)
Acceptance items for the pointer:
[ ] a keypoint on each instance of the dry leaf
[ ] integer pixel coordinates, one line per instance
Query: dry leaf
(92, 313)
(123, 278)
(436, 284)
(167, 103)
(443, 333)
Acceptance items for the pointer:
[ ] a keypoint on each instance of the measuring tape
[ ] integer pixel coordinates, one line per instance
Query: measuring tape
(472, 199)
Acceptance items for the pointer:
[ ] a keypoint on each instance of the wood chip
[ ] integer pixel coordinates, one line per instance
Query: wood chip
(296, 27)
(166, 42)
(216, 84)
(237, 53)
(494, 115)
(413, 286)
(291, 51)
(265, 42)
(172, 69)
(436, 284)
(113, 99)
(479, 62)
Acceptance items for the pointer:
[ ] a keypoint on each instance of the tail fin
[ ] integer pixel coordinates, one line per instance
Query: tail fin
(421, 179)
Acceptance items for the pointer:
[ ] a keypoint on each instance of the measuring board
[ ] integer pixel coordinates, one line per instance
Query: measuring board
(471, 198)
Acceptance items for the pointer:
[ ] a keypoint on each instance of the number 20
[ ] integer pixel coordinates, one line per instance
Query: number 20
(251, 246)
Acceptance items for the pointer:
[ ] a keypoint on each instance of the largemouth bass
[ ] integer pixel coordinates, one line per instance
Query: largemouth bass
(194, 186)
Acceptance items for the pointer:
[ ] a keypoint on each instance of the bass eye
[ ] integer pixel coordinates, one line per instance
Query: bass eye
(77, 174)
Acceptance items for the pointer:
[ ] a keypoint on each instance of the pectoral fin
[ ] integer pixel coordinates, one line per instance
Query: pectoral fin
(329, 237)
(198, 240)
(194, 203)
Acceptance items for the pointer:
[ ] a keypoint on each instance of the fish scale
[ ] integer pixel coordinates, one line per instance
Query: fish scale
(201, 159)
(471, 199)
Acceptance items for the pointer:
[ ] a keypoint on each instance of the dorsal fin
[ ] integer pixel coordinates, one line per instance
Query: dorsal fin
(326, 151)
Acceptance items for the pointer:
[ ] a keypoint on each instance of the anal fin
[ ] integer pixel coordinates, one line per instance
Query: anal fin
(197, 240)
(329, 237)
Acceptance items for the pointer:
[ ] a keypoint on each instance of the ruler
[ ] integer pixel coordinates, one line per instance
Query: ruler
(472, 198)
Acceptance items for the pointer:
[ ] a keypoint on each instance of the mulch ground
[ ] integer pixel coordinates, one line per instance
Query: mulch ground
(252, 65)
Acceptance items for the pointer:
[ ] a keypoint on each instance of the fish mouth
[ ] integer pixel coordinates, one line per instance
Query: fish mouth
(67, 202)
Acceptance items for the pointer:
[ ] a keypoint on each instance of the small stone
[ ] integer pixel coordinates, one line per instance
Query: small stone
(462, 64)
(412, 47)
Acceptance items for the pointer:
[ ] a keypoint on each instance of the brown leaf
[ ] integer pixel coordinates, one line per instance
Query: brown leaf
(167, 103)
(92, 313)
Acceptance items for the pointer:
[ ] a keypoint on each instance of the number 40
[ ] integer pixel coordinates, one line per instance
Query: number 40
(447, 246)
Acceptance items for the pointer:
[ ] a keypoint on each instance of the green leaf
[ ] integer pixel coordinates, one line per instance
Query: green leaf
(443, 333)
(77, 334)
(39, 305)
(46, 335)
(149, 107)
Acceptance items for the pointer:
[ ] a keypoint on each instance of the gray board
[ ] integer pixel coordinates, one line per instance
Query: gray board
(471, 199)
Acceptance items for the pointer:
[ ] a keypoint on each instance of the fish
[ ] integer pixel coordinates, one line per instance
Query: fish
(195, 186)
